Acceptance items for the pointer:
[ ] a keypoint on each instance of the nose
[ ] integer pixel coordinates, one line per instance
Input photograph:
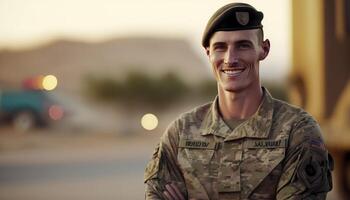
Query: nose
(231, 58)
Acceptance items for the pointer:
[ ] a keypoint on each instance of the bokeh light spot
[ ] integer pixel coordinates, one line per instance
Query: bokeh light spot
(49, 82)
(149, 121)
(55, 112)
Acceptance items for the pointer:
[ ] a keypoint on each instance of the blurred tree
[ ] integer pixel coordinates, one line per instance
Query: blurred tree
(207, 89)
(171, 88)
(138, 89)
(105, 89)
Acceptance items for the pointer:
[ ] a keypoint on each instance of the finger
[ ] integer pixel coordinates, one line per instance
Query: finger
(171, 191)
(167, 195)
(177, 191)
(171, 188)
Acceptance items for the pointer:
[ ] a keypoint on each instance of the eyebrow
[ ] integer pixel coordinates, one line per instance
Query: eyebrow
(219, 43)
(243, 41)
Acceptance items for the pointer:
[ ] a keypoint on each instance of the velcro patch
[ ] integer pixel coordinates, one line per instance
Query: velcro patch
(197, 144)
(260, 144)
(317, 143)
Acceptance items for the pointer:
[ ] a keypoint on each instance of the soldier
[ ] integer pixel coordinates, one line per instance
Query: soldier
(245, 144)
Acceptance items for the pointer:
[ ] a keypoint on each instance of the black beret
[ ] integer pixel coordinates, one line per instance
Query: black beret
(232, 17)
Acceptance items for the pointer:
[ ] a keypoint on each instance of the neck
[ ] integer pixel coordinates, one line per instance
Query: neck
(239, 105)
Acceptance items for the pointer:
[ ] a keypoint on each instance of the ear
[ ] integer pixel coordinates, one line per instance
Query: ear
(265, 45)
(207, 51)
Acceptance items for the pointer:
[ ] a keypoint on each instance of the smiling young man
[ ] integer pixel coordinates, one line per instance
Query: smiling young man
(245, 144)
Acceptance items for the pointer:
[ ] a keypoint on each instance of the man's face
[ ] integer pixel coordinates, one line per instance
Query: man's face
(235, 56)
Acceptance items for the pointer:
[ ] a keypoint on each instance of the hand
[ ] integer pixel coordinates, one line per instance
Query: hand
(172, 192)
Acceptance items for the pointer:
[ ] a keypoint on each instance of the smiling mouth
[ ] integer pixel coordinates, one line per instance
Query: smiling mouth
(233, 72)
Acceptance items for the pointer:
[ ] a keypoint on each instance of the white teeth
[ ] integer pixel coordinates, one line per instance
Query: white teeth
(233, 72)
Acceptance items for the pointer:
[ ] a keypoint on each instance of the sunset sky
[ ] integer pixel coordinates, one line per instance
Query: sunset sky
(33, 22)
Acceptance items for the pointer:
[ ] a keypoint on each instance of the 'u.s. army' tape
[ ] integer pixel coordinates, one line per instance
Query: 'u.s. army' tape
(258, 144)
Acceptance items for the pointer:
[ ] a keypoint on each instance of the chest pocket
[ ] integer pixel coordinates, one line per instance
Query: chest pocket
(195, 158)
(195, 155)
(260, 159)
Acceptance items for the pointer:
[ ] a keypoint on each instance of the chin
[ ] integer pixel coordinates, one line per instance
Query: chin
(234, 89)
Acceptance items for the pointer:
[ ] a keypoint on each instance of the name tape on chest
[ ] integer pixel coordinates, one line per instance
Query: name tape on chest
(258, 144)
(197, 144)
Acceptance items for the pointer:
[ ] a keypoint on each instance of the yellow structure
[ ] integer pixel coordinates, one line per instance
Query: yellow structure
(320, 76)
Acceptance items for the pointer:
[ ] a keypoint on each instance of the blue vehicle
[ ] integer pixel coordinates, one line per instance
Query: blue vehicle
(27, 109)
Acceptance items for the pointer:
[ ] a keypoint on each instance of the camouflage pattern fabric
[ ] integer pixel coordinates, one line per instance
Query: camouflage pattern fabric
(278, 153)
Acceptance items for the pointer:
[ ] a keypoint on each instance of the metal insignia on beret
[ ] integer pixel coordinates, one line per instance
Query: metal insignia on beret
(242, 18)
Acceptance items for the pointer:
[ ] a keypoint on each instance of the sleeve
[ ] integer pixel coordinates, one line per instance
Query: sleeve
(163, 167)
(307, 165)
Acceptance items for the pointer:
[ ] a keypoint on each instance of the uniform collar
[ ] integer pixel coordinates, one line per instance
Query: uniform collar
(257, 126)
(213, 122)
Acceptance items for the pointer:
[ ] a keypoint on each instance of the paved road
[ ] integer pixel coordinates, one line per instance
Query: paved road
(112, 179)
(103, 171)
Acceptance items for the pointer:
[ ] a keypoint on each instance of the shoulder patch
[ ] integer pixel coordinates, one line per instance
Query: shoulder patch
(317, 143)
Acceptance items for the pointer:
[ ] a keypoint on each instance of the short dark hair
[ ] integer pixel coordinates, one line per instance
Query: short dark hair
(260, 35)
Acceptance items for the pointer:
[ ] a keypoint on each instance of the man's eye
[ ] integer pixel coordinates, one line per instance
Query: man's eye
(219, 48)
(244, 46)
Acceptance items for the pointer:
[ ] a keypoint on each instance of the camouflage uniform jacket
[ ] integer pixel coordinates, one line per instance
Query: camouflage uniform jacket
(278, 153)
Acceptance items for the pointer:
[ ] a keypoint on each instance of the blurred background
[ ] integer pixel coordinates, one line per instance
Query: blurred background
(88, 87)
